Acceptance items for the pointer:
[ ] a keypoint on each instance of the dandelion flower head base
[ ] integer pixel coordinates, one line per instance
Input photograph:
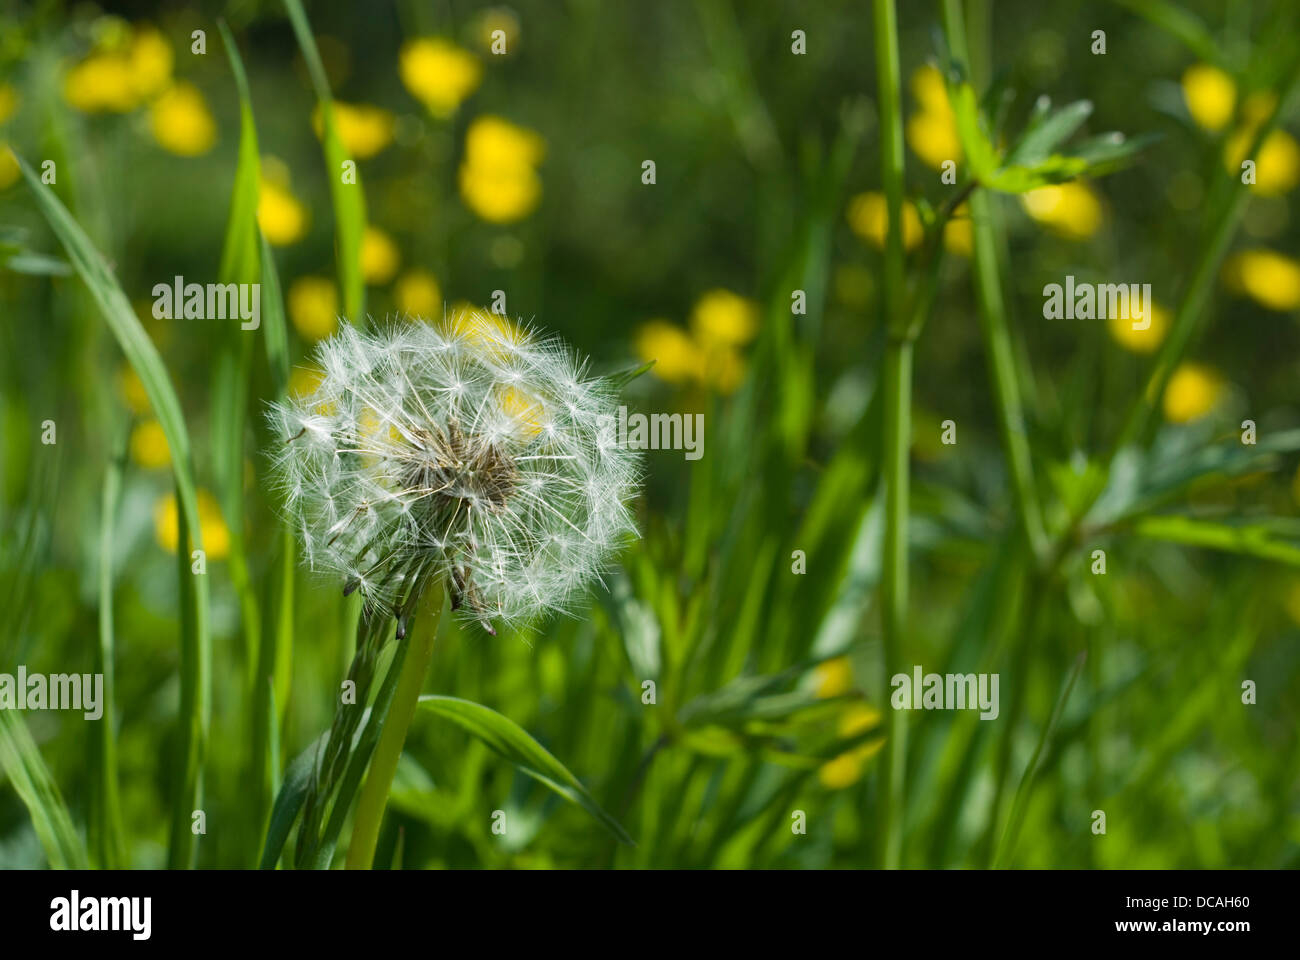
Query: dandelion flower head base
(471, 450)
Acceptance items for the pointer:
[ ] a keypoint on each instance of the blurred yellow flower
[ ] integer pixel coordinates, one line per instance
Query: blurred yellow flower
(280, 215)
(833, 678)
(9, 171)
(181, 122)
(303, 381)
(439, 74)
(418, 295)
(869, 218)
(1139, 341)
(723, 318)
(724, 368)
(526, 410)
(1210, 94)
(1269, 278)
(379, 256)
(150, 62)
(677, 357)
(212, 527)
(364, 130)
(103, 82)
(1069, 209)
(497, 178)
(133, 392)
(1192, 392)
(8, 102)
(959, 233)
(149, 445)
(1277, 166)
(846, 769)
(932, 130)
(313, 307)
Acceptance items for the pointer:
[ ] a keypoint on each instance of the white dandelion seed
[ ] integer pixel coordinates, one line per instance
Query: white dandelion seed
(472, 451)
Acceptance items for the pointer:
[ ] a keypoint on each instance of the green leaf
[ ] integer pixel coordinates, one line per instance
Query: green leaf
(1046, 130)
(981, 157)
(289, 801)
(196, 650)
(240, 259)
(26, 770)
(621, 378)
(349, 199)
(1255, 539)
(515, 744)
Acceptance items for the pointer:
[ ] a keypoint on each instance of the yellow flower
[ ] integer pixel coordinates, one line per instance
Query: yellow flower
(8, 102)
(418, 295)
(212, 528)
(722, 318)
(1269, 278)
(150, 62)
(677, 357)
(303, 381)
(379, 256)
(932, 130)
(724, 368)
(959, 233)
(9, 171)
(313, 307)
(364, 130)
(526, 410)
(498, 18)
(133, 392)
(101, 83)
(1192, 392)
(149, 445)
(181, 122)
(497, 178)
(1138, 341)
(439, 74)
(1277, 166)
(1069, 209)
(834, 677)
(869, 218)
(846, 769)
(1210, 95)
(280, 215)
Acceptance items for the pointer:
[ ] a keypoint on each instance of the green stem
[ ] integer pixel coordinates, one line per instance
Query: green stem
(898, 418)
(374, 795)
(996, 333)
(109, 833)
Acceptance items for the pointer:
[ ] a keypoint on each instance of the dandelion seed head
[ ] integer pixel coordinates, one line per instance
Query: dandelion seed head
(471, 450)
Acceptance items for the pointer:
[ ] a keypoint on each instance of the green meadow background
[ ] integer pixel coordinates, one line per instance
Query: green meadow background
(753, 599)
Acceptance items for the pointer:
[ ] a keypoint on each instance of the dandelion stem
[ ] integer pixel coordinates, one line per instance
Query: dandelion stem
(898, 418)
(379, 780)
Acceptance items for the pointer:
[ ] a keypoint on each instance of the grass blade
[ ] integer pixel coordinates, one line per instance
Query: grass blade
(196, 646)
(515, 744)
(23, 765)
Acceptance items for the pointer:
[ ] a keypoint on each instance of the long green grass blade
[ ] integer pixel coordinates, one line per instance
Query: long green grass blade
(26, 770)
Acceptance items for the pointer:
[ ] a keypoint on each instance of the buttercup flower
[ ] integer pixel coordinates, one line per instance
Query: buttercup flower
(213, 529)
(149, 445)
(313, 305)
(379, 256)
(1193, 391)
(181, 122)
(846, 769)
(439, 74)
(869, 219)
(1269, 278)
(470, 452)
(1139, 341)
(280, 215)
(418, 295)
(364, 130)
(932, 130)
(498, 179)
(1069, 209)
(1210, 95)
